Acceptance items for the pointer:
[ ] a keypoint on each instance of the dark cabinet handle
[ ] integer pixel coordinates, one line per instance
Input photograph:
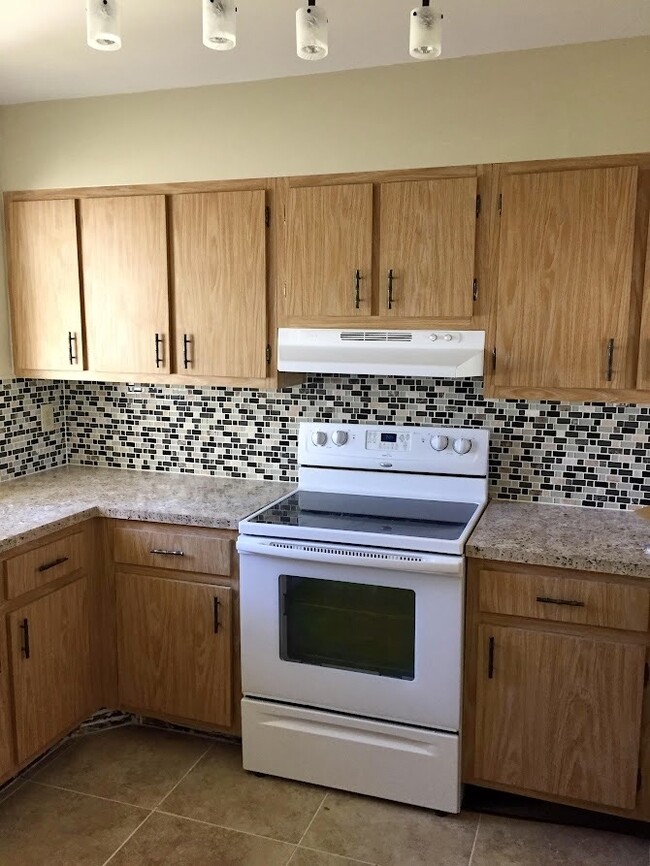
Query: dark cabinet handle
(545, 599)
(217, 624)
(610, 359)
(73, 354)
(24, 627)
(161, 552)
(491, 659)
(159, 356)
(187, 341)
(357, 289)
(48, 565)
(389, 298)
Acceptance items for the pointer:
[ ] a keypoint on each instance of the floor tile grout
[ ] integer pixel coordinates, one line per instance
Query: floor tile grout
(307, 829)
(354, 860)
(159, 811)
(183, 777)
(130, 836)
(86, 794)
(471, 853)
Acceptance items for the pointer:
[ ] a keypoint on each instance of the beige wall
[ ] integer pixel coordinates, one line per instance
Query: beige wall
(568, 101)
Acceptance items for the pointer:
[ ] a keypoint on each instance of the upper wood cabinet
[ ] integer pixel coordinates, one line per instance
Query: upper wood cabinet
(124, 259)
(426, 240)
(219, 282)
(565, 278)
(44, 285)
(329, 251)
(643, 371)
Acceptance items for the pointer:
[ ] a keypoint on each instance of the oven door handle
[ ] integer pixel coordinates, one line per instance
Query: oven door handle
(346, 554)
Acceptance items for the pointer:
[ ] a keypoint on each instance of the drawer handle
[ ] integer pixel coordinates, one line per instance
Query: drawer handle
(159, 552)
(491, 659)
(53, 564)
(24, 627)
(217, 603)
(544, 599)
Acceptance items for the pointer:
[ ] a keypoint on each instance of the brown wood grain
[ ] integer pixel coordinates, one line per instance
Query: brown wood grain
(7, 759)
(44, 291)
(219, 268)
(427, 237)
(329, 238)
(170, 658)
(561, 715)
(609, 605)
(126, 297)
(36, 568)
(199, 550)
(52, 688)
(565, 270)
(643, 372)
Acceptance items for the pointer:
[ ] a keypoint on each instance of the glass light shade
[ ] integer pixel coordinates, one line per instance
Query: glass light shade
(103, 25)
(426, 33)
(311, 33)
(219, 24)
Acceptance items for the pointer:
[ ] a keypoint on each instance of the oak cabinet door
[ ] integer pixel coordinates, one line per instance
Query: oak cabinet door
(427, 240)
(124, 258)
(44, 285)
(329, 251)
(6, 734)
(219, 254)
(643, 372)
(50, 659)
(565, 276)
(559, 715)
(174, 643)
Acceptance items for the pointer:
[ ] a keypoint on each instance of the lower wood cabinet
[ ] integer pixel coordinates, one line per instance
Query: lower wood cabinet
(51, 667)
(7, 761)
(175, 648)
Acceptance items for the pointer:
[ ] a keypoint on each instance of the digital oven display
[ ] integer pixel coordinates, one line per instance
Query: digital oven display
(389, 437)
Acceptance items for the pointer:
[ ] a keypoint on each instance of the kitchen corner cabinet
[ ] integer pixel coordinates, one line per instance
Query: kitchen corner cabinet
(124, 265)
(44, 289)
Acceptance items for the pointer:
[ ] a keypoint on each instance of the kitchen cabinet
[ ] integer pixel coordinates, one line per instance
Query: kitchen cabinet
(219, 282)
(125, 279)
(7, 761)
(643, 371)
(44, 289)
(50, 663)
(175, 648)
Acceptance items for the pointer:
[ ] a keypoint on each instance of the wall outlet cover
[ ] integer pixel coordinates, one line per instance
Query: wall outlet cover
(47, 417)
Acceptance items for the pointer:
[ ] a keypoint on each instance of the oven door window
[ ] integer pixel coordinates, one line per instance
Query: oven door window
(350, 626)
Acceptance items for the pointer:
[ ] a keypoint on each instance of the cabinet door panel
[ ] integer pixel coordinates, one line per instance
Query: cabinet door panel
(44, 285)
(124, 256)
(560, 715)
(52, 679)
(565, 274)
(643, 373)
(6, 733)
(427, 239)
(175, 648)
(329, 239)
(219, 242)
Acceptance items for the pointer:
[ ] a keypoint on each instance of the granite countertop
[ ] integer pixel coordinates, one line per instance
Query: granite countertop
(588, 539)
(36, 505)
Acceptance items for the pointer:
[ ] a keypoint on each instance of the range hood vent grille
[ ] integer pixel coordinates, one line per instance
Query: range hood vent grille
(376, 337)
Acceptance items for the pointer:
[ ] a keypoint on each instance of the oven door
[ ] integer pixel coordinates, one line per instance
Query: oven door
(367, 631)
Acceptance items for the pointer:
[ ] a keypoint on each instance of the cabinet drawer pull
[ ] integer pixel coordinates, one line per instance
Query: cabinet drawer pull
(159, 355)
(72, 348)
(48, 565)
(159, 552)
(389, 298)
(217, 624)
(545, 599)
(491, 659)
(610, 359)
(24, 627)
(187, 340)
(357, 289)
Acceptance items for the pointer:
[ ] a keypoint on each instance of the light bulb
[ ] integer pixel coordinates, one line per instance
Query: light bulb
(219, 24)
(103, 25)
(426, 33)
(311, 33)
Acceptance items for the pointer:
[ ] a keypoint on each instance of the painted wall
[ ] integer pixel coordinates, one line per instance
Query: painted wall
(567, 101)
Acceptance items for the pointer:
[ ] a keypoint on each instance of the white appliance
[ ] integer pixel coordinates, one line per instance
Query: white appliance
(432, 353)
(352, 598)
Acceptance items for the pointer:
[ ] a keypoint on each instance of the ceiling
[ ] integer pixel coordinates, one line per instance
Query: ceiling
(43, 52)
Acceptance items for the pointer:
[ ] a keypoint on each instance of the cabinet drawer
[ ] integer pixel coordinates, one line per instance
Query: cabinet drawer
(178, 550)
(564, 599)
(44, 564)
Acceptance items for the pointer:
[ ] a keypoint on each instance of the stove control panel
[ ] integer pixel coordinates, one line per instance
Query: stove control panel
(387, 440)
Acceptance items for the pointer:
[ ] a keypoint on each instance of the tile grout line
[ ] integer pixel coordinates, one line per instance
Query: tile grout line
(338, 856)
(130, 836)
(183, 777)
(471, 853)
(159, 811)
(86, 794)
(308, 828)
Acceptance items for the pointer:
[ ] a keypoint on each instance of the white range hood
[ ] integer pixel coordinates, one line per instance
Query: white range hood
(440, 354)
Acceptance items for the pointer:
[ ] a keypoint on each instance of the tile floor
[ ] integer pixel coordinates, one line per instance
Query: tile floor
(145, 797)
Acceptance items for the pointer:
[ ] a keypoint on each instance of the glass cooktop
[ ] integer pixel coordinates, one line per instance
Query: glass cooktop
(378, 514)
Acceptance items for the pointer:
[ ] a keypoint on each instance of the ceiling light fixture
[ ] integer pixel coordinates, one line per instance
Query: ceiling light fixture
(426, 33)
(311, 32)
(103, 24)
(219, 24)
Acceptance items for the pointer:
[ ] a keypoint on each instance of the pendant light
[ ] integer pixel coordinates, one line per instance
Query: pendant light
(103, 25)
(219, 24)
(311, 32)
(426, 33)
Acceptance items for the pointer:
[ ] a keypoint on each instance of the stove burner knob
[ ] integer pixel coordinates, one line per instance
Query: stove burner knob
(462, 446)
(439, 443)
(319, 438)
(339, 437)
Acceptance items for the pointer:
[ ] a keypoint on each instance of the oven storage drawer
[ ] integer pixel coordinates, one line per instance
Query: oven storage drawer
(395, 762)
(562, 599)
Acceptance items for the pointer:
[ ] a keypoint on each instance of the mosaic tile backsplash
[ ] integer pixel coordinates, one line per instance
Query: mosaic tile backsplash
(580, 454)
(24, 447)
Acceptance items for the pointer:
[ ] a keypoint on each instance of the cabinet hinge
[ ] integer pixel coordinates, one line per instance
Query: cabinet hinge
(268, 354)
(639, 780)
(500, 203)
(646, 674)
(475, 289)
(267, 216)
(478, 206)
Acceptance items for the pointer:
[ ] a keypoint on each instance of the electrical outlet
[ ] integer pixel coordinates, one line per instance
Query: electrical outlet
(47, 417)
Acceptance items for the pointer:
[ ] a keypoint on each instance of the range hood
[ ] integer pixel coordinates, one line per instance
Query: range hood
(441, 354)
